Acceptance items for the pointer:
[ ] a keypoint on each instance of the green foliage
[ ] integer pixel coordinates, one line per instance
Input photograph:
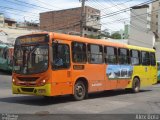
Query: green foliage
(105, 34)
(116, 36)
(94, 36)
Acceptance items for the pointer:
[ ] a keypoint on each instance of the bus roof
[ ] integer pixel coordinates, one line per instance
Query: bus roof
(86, 40)
(93, 41)
(99, 41)
(140, 48)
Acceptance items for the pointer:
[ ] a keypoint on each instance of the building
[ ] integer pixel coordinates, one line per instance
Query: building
(124, 34)
(28, 25)
(155, 26)
(126, 31)
(7, 22)
(68, 21)
(11, 29)
(155, 18)
(140, 27)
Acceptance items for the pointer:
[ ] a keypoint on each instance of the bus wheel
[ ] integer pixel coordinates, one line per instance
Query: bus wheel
(79, 91)
(136, 85)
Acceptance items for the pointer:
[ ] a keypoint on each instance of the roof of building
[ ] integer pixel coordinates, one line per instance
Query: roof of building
(140, 7)
(71, 9)
(9, 19)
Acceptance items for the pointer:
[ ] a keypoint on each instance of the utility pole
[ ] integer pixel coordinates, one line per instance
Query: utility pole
(82, 16)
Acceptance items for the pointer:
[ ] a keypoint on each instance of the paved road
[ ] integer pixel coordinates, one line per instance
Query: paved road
(147, 101)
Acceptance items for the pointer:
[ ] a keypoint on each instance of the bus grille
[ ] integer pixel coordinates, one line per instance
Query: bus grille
(27, 89)
(28, 78)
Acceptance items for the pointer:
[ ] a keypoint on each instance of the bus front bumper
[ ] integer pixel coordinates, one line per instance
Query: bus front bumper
(39, 91)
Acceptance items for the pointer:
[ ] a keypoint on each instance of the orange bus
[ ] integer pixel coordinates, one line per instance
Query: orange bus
(53, 64)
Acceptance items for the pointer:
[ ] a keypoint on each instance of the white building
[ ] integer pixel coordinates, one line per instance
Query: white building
(140, 33)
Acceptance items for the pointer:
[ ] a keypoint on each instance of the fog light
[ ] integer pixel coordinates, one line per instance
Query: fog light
(41, 91)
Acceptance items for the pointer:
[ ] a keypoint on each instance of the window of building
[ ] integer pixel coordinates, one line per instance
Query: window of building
(123, 56)
(152, 59)
(95, 54)
(110, 55)
(135, 57)
(79, 52)
(61, 56)
(95, 30)
(145, 58)
(98, 18)
(89, 29)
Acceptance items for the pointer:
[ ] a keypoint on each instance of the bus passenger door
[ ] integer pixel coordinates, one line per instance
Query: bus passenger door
(61, 70)
(146, 68)
(153, 69)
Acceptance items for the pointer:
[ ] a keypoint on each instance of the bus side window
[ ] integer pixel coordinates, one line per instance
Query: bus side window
(135, 57)
(123, 56)
(61, 56)
(145, 58)
(5, 53)
(79, 52)
(110, 55)
(152, 59)
(0, 52)
(95, 54)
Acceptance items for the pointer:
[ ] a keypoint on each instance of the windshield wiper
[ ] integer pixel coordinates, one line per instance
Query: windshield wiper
(28, 55)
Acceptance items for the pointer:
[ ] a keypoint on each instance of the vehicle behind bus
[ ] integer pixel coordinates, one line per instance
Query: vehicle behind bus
(6, 57)
(158, 75)
(52, 64)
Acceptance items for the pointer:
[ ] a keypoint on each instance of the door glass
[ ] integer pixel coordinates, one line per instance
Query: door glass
(61, 56)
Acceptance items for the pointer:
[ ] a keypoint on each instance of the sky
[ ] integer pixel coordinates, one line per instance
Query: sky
(29, 10)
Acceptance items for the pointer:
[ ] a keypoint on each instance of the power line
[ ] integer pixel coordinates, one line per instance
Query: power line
(47, 4)
(32, 4)
(123, 10)
(16, 9)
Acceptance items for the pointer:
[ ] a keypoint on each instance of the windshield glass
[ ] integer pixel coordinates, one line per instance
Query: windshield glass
(31, 59)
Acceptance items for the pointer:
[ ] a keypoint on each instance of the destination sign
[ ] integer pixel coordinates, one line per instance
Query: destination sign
(32, 39)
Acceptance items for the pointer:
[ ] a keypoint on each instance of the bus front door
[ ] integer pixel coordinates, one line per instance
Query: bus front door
(61, 70)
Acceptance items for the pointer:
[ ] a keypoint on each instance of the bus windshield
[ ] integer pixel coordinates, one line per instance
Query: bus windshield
(31, 59)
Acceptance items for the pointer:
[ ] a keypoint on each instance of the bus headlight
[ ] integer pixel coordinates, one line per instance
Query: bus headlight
(43, 82)
(13, 80)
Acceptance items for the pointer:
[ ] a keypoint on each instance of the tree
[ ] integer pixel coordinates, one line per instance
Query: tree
(94, 36)
(116, 36)
(105, 33)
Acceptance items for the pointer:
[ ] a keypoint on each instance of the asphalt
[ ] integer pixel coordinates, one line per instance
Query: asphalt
(147, 101)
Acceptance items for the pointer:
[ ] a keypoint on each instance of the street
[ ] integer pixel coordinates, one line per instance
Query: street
(109, 102)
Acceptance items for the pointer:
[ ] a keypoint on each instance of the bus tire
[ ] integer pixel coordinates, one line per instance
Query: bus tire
(136, 85)
(80, 91)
